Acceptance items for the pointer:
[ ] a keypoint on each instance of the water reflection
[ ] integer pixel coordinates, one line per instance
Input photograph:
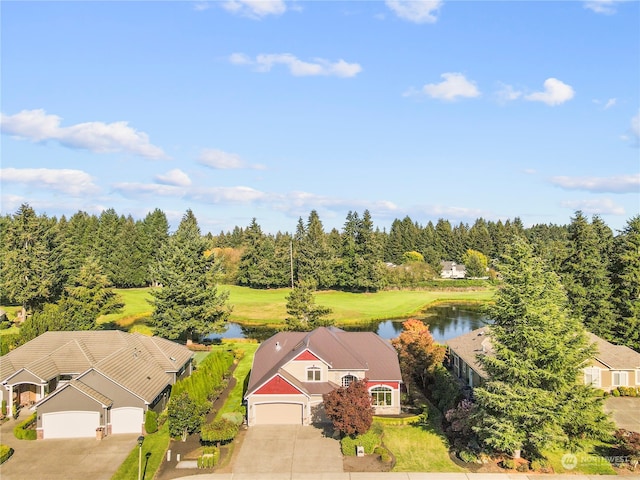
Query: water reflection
(445, 322)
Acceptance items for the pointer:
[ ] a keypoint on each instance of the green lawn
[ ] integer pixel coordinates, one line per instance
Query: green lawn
(418, 449)
(234, 400)
(587, 461)
(155, 445)
(268, 307)
(136, 308)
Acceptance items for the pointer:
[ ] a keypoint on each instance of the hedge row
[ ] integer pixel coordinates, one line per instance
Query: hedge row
(22, 431)
(209, 374)
(397, 421)
(5, 453)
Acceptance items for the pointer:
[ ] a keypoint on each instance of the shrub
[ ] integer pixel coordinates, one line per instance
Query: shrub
(541, 465)
(369, 440)
(508, 463)
(445, 390)
(151, 422)
(615, 392)
(5, 453)
(523, 467)
(385, 454)
(24, 430)
(222, 430)
(467, 456)
(4, 408)
(209, 458)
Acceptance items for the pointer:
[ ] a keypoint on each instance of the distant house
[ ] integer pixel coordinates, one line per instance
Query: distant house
(292, 370)
(81, 381)
(611, 367)
(452, 270)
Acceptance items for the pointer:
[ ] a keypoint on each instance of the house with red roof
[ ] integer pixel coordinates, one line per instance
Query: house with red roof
(292, 370)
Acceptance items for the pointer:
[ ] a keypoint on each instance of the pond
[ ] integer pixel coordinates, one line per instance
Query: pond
(445, 322)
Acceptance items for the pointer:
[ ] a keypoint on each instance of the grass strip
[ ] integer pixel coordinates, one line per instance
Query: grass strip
(154, 447)
(241, 372)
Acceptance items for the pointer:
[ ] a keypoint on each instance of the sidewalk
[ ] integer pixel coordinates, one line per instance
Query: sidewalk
(401, 476)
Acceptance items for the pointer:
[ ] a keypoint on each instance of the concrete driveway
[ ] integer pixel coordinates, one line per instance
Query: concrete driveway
(64, 459)
(289, 449)
(625, 412)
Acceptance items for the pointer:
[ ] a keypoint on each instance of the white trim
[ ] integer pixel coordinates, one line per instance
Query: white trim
(313, 368)
(623, 378)
(383, 387)
(594, 373)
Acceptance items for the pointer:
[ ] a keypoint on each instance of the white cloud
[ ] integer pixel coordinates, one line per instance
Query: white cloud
(133, 189)
(297, 67)
(555, 92)
(175, 177)
(71, 182)
(616, 184)
(454, 86)
(99, 137)
(606, 7)
(601, 206)
(610, 103)
(236, 195)
(220, 160)
(201, 6)
(507, 93)
(416, 11)
(255, 9)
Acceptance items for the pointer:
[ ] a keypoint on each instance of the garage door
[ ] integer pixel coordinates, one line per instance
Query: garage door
(279, 414)
(126, 420)
(70, 424)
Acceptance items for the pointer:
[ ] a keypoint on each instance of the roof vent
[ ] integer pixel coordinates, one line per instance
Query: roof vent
(172, 359)
(278, 347)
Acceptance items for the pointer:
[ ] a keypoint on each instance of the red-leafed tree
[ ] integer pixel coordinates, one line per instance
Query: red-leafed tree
(418, 353)
(349, 408)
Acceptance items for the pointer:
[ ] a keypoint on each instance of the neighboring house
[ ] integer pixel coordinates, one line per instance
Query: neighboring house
(611, 367)
(292, 370)
(452, 270)
(85, 380)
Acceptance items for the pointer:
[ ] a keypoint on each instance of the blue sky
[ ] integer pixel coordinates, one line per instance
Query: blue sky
(269, 109)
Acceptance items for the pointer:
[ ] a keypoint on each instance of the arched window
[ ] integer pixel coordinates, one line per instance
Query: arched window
(381, 396)
(347, 379)
(314, 374)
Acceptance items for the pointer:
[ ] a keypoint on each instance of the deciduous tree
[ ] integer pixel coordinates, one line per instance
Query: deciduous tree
(418, 353)
(349, 408)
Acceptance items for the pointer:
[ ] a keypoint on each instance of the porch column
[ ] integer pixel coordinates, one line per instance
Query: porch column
(41, 395)
(10, 401)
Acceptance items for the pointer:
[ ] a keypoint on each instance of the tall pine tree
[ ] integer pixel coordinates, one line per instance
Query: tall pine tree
(188, 303)
(534, 396)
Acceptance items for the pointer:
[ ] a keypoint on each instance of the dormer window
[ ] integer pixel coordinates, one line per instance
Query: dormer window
(313, 374)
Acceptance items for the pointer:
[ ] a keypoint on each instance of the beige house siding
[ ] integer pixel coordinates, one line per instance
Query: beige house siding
(335, 376)
(70, 400)
(298, 369)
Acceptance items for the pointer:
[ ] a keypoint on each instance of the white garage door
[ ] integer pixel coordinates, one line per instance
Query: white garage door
(279, 414)
(70, 424)
(126, 420)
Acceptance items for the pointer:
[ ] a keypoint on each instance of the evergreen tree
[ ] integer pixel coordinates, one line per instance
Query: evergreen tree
(313, 256)
(626, 285)
(368, 269)
(253, 270)
(154, 233)
(475, 264)
(106, 244)
(534, 396)
(78, 237)
(586, 278)
(129, 256)
(29, 274)
(188, 301)
(305, 315)
(88, 298)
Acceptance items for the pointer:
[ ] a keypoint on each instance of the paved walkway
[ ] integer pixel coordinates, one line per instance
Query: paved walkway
(625, 412)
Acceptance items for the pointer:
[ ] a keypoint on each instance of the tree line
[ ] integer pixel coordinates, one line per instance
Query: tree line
(44, 259)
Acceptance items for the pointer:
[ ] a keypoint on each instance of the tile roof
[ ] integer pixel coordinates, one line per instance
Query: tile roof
(139, 363)
(339, 349)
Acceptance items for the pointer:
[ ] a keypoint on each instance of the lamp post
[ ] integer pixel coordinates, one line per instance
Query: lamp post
(140, 442)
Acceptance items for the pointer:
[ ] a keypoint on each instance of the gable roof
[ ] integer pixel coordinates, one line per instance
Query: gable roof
(471, 344)
(340, 350)
(139, 363)
(616, 357)
(81, 387)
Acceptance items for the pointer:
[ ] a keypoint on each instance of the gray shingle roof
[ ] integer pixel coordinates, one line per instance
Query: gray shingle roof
(617, 357)
(469, 345)
(341, 350)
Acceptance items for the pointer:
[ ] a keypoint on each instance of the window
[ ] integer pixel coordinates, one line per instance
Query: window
(592, 376)
(313, 374)
(347, 379)
(619, 379)
(381, 396)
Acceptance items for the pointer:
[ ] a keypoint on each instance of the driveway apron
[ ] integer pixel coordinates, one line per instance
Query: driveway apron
(287, 448)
